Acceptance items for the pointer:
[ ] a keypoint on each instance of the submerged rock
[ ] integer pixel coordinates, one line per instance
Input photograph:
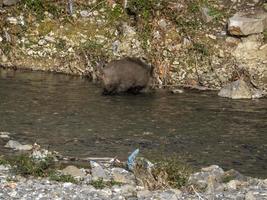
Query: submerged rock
(17, 146)
(236, 90)
(242, 24)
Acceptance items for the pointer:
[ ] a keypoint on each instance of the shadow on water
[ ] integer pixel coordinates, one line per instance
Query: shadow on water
(69, 115)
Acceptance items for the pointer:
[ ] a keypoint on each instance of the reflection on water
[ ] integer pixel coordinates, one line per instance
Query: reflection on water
(70, 115)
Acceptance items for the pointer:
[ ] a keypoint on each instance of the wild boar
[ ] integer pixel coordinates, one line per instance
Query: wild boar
(125, 75)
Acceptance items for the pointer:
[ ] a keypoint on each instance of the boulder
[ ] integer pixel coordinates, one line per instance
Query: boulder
(209, 178)
(73, 171)
(122, 176)
(17, 146)
(243, 24)
(98, 172)
(236, 90)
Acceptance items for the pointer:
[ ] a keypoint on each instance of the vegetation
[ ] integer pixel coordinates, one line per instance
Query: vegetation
(100, 183)
(177, 171)
(27, 166)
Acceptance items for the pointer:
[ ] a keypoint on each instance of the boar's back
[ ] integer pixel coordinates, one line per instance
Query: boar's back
(126, 75)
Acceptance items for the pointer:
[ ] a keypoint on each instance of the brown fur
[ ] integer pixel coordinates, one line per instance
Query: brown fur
(125, 75)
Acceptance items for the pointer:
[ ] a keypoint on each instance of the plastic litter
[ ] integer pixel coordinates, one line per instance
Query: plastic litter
(131, 159)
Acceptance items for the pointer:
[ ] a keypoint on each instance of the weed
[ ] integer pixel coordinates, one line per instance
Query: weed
(177, 172)
(265, 36)
(3, 161)
(201, 48)
(55, 176)
(35, 6)
(26, 166)
(61, 44)
(100, 183)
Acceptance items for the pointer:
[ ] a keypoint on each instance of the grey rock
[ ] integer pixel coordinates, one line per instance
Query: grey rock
(98, 172)
(242, 24)
(233, 175)
(122, 176)
(17, 146)
(209, 178)
(74, 171)
(10, 2)
(236, 90)
(170, 195)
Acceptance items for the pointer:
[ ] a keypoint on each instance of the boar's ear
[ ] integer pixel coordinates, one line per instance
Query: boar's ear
(100, 66)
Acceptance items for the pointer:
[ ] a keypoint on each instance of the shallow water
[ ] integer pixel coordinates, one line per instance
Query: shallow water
(69, 115)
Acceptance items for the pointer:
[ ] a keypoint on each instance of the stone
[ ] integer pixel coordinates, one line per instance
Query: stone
(1, 39)
(205, 14)
(122, 176)
(17, 146)
(74, 171)
(232, 185)
(41, 42)
(12, 20)
(236, 90)
(85, 13)
(242, 24)
(10, 2)
(233, 175)
(209, 178)
(98, 172)
(177, 91)
(250, 196)
(170, 194)
(163, 24)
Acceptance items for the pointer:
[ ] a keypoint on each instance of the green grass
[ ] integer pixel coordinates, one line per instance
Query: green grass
(27, 166)
(100, 183)
(55, 176)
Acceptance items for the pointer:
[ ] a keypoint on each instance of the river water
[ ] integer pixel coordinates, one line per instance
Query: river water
(69, 115)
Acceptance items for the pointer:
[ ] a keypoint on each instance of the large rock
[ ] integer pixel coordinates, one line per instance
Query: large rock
(10, 2)
(98, 172)
(74, 171)
(209, 178)
(122, 176)
(242, 24)
(236, 90)
(17, 146)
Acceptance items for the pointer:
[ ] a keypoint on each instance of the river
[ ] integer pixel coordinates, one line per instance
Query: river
(69, 114)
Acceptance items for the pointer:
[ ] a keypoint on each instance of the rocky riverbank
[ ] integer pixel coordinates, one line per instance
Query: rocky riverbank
(210, 183)
(188, 42)
(34, 176)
